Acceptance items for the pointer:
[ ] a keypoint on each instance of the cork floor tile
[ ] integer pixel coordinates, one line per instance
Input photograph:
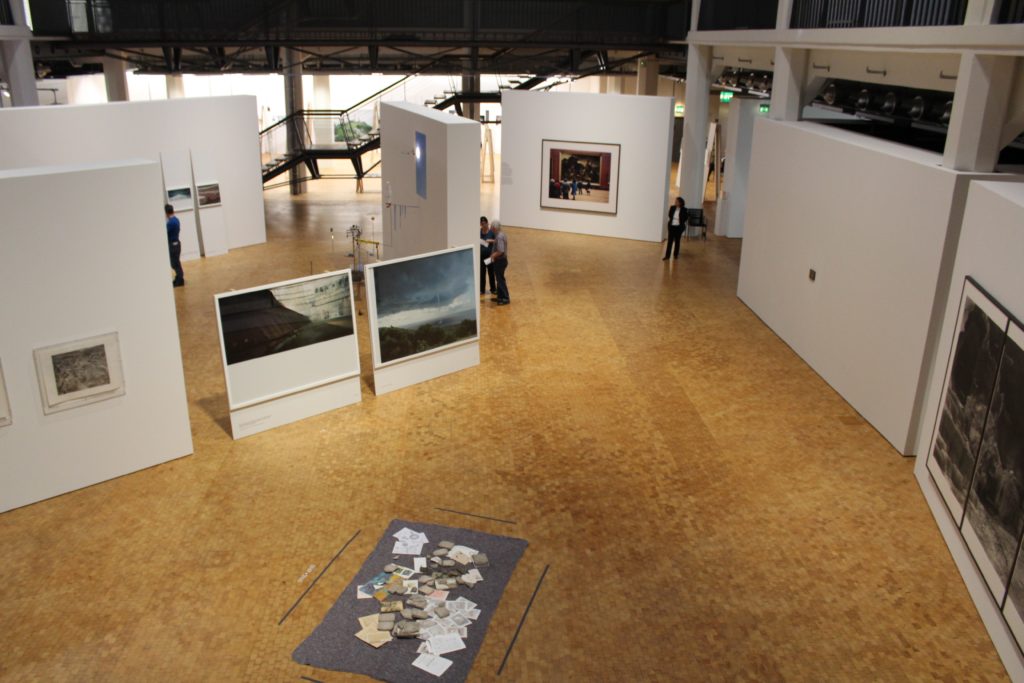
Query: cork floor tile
(709, 508)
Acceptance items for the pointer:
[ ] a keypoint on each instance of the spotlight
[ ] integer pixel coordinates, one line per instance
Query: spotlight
(947, 112)
(889, 103)
(916, 108)
(831, 94)
(863, 100)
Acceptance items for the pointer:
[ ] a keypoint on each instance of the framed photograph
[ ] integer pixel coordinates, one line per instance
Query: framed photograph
(970, 376)
(180, 198)
(78, 373)
(287, 336)
(209, 194)
(5, 404)
(994, 522)
(579, 176)
(422, 304)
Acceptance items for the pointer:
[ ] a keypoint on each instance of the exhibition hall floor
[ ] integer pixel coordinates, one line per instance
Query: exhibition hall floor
(707, 507)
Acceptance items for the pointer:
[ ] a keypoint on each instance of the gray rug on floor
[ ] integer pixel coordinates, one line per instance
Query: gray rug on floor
(333, 644)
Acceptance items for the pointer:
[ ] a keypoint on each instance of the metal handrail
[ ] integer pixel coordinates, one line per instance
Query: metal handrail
(876, 13)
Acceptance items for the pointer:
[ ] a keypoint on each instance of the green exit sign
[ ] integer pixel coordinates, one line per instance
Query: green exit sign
(764, 108)
(680, 109)
(725, 96)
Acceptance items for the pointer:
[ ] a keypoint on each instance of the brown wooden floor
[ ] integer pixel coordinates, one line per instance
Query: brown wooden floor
(710, 509)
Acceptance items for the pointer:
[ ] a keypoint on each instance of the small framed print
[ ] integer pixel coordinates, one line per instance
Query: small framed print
(77, 373)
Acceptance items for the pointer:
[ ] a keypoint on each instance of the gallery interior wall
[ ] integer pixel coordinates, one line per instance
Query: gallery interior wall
(878, 222)
(224, 128)
(990, 248)
(59, 285)
(641, 125)
(448, 216)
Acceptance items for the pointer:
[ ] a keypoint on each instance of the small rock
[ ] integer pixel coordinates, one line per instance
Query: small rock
(406, 629)
(390, 567)
(440, 552)
(447, 545)
(441, 612)
(480, 560)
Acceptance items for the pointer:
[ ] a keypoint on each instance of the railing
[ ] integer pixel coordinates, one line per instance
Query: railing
(875, 13)
(728, 15)
(1011, 12)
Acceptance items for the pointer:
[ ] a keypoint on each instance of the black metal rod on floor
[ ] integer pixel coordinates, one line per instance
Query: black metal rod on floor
(310, 587)
(470, 514)
(307, 678)
(523, 619)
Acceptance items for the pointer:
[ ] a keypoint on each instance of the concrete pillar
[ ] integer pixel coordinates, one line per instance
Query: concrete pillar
(19, 69)
(788, 84)
(175, 86)
(981, 11)
(116, 79)
(323, 126)
(20, 72)
(647, 76)
(296, 127)
(471, 84)
(783, 17)
(979, 110)
(732, 206)
(695, 124)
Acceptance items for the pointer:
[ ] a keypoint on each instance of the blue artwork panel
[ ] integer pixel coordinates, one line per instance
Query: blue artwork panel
(421, 165)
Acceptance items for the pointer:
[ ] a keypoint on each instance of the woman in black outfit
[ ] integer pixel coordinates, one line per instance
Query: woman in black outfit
(676, 226)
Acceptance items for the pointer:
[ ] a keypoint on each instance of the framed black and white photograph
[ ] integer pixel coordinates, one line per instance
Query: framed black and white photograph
(208, 194)
(180, 198)
(970, 376)
(579, 176)
(5, 404)
(287, 336)
(994, 521)
(422, 304)
(77, 373)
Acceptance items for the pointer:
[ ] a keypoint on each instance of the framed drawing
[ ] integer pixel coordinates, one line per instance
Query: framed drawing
(579, 176)
(286, 337)
(970, 375)
(5, 404)
(78, 373)
(180, 198)
(422, 304)
(208, 194)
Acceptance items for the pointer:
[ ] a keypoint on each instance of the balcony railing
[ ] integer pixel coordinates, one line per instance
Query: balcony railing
(1011, 12)
(875, 13)
(728, 15)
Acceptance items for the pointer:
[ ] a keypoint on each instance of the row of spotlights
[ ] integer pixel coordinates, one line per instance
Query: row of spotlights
(891, 103)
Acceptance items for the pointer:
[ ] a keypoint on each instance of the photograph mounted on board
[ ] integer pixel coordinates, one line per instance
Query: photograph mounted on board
(579, 176)
(422, 303)
(5, 404)
(279, 318)
(180, 198)
(78, 373)
(209, 194)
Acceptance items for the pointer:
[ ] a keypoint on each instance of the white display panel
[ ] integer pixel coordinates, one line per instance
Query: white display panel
(294, 407)
(109, 274)
(287, 337)
(423, 310)
(177, 170)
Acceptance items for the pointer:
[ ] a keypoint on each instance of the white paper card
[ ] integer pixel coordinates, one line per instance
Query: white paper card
(488, 261)
(442, 645)
(431, 664)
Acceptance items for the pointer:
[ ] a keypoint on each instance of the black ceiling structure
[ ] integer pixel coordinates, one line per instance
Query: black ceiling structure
(548, 37)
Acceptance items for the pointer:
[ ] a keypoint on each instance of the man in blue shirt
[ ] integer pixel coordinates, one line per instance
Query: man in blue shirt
(174, 244)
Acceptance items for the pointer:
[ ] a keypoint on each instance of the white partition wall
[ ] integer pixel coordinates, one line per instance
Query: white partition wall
(732, 205)
(990, 250)
(221, 128)
(177, 169)
(882, 256)
(76, 265)
(430, 179)
(642, 128)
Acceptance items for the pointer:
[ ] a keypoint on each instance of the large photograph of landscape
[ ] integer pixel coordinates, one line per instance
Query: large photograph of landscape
(424, 303)
(76, 373)
(289, 316)
(580, 176)
(978, 343)
(995, 507)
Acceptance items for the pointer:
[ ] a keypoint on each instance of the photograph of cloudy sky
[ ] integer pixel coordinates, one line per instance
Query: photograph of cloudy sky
(424, 303)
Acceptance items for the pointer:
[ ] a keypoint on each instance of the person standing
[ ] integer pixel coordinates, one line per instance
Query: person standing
(676, 225)
(499, 262)
(486, 271)
(174, 245)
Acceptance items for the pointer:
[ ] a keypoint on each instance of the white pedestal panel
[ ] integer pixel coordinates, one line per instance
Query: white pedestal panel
(294, 407)
(418, 370)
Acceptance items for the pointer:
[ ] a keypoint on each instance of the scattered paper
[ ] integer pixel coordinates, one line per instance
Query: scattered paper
(484, 243)
(449, 642)
(404, 572)
(488, 261)
(432, 664)
(419, 564)
(407, 548)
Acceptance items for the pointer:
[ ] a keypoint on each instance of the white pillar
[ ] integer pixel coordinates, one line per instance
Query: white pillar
(782, 18)
(115, 78)
(175, 86)
(647, 76)
(323, 126)
(979, 111)
(695, 124)
(788, 84)
(732, 207)
(293, 104)
(980, 12)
